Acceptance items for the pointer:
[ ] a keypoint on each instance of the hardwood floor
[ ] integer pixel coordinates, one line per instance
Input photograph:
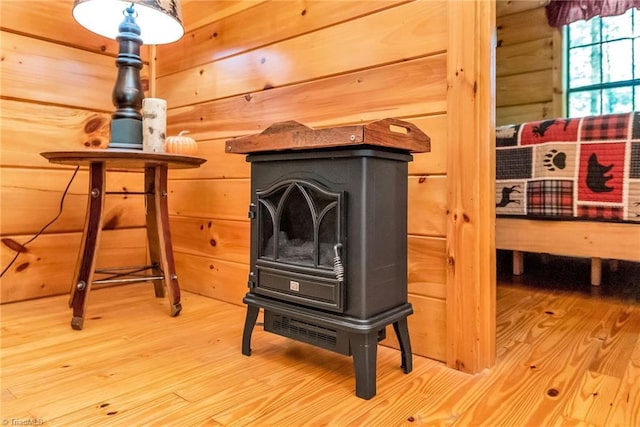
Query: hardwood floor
(564, 357)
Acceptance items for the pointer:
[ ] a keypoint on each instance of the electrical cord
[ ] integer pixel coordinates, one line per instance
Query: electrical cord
(64, 195)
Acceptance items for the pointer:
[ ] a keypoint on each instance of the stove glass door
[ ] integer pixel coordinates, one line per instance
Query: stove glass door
(300, 224)
(300, 244)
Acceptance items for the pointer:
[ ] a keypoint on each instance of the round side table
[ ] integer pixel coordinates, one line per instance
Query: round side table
(161, 271)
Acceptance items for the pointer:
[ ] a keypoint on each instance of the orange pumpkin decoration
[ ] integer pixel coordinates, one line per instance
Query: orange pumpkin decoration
(181, 144)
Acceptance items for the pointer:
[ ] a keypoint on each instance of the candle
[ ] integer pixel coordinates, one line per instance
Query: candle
(154, 125)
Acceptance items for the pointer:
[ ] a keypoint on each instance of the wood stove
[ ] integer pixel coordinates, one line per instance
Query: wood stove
(328, 258)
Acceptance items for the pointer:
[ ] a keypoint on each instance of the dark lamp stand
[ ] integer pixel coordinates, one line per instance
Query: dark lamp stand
(126, 123)
(145, 21)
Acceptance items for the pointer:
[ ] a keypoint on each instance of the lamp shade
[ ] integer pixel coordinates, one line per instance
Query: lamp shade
(160, 21)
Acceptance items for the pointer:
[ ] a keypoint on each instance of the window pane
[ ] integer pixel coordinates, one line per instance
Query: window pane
(584, 66)
(617, 27)
(617, 100)
(601, 55)
(584, 103)
(617, 61)
(584, 32)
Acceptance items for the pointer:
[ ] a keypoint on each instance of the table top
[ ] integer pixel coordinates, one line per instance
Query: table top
(121, 158)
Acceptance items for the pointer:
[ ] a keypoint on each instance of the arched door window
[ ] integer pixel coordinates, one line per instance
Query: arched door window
(299, 223)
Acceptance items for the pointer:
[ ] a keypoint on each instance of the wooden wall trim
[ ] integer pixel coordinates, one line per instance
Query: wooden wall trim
(471, 281)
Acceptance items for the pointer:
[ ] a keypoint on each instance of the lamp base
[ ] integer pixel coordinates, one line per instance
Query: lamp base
(126, 133)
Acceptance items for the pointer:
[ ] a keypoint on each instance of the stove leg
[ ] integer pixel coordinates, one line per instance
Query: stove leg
(402, 332)
(364, 348)
(249, 323)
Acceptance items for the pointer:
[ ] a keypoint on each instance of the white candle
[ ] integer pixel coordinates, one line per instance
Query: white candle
(154, 124)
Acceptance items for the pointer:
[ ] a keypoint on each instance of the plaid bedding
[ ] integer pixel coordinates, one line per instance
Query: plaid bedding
(577, 168)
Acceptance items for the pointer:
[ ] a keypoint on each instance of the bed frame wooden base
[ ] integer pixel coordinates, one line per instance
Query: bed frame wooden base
(584, 239)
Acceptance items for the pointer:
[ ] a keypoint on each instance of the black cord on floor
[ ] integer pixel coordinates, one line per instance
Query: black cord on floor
(64, 194)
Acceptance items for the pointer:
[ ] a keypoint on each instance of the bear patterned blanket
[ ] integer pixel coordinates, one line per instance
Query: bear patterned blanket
(575, 168)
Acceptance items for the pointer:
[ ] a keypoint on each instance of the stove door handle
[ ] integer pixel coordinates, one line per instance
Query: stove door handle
(338, 268)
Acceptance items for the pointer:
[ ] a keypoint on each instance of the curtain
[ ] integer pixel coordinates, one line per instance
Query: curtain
(564, 12)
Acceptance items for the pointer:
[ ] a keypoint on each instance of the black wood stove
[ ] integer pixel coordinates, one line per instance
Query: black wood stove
(329, 237)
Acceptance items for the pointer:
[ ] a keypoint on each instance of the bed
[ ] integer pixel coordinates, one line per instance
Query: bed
(570, 186)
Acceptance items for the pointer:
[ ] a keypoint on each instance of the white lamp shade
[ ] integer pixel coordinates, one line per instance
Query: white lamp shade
(160, 21)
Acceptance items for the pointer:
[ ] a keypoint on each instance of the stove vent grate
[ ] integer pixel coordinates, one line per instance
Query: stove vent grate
(300, 330)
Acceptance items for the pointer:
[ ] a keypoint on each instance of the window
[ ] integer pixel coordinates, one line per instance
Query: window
(604, 65)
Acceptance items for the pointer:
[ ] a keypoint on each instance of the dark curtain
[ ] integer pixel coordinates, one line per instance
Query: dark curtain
(564, 12)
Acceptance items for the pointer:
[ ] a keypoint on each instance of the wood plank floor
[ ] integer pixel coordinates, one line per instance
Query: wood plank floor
(564, 358)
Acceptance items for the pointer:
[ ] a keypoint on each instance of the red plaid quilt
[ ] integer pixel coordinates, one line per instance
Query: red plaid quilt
(574, 168)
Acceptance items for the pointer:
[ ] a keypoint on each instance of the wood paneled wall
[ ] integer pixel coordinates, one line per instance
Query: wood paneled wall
(241, 66)
(528, 63)
(55, 94)
(322, 64)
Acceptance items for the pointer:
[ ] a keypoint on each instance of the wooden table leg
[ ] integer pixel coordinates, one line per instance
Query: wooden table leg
(81, 285)
(159, 235)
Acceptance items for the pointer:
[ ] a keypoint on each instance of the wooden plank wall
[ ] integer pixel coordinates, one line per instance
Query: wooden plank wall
(242, 66)
(323, 64)
(55, 94)
(528, 63)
